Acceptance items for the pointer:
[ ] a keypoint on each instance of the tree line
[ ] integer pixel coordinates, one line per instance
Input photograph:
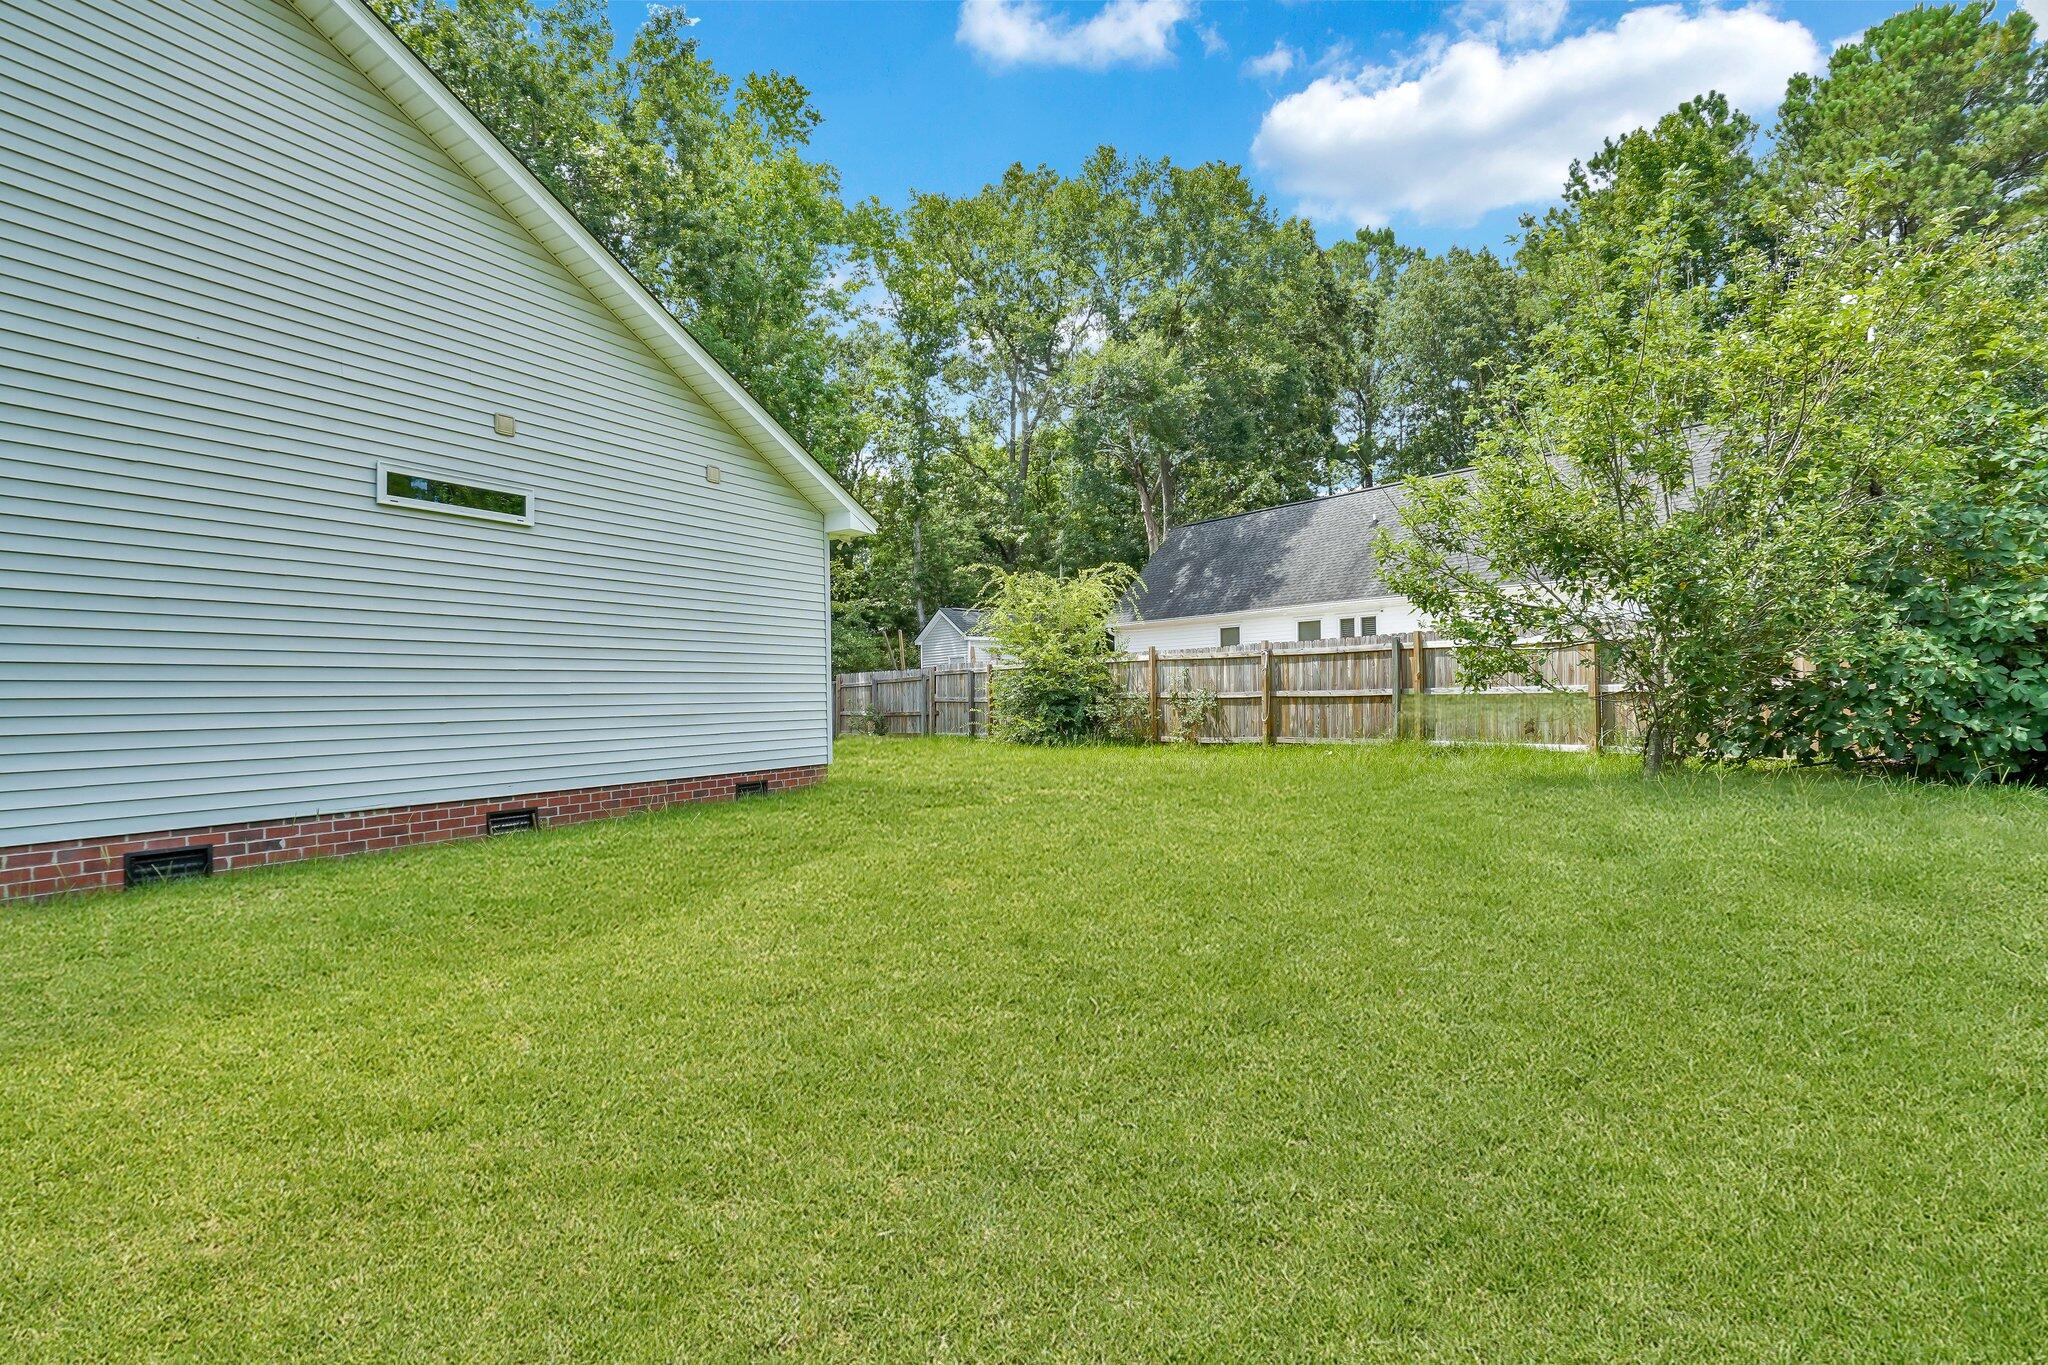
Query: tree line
(1051, 373)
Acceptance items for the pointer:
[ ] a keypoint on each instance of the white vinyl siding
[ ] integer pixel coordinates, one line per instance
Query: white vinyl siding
(1392, 616)
(233, 280)
(941, 645)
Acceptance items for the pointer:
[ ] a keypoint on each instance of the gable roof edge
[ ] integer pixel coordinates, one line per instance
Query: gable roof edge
(387, 63)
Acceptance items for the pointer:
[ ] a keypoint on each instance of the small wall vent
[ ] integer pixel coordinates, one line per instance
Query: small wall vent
(510, 821)
(168, 864)
(757, 787)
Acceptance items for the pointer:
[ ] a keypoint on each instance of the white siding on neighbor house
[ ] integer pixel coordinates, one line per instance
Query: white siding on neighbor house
(1396, 616)
(233, 277)
(943, 646)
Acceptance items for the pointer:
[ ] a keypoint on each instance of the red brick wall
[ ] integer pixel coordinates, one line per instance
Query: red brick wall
(89, 864)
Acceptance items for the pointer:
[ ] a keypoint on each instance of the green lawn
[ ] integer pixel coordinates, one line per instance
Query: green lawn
(977, 1052)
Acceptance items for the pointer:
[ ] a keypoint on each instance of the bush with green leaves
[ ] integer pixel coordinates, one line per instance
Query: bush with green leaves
(1956, 684)
(1053, 634)
(1694, 476)
(1200, 713)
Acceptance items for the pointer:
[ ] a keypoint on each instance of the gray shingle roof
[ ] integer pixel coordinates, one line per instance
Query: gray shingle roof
(966, 620)
(1314, 551)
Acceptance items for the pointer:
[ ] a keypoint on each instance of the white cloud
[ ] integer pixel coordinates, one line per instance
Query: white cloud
(1274, 64)
(1213, 44)
(1023, 33)
(1475, 127)
(2037, 8)
(1513, 22)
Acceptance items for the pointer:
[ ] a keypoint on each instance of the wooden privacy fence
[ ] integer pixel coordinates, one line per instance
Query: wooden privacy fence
(913, 701)
(1316, 692)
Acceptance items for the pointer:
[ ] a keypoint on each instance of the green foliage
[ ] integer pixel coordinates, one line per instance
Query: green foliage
(1691, 173)
(1200, 713)
(1451, 326)
(1699, 496)
(1942, 110)
(1954, 683)
(1054, 632)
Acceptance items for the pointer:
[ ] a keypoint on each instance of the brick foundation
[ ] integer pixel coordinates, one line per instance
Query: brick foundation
(36, 870)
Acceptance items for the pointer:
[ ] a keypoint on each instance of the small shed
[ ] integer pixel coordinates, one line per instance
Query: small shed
(953, 638)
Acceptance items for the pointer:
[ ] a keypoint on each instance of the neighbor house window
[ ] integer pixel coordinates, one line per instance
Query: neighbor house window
(1344, 628)
(1368, 625)
(400, 487)
(1308, 630)
(1227, 636)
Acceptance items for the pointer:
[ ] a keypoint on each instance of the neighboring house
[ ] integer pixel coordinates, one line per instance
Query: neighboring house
(952, 638)
(1300, 571)
(353, 495)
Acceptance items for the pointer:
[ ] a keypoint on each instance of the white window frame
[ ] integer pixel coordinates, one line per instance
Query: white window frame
(1222, 643)
(404, 471)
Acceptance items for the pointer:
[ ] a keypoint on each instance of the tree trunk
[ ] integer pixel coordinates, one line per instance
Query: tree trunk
(1653, 750)
(917, 567)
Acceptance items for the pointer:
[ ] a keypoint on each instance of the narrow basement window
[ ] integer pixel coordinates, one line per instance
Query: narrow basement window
(401, 487)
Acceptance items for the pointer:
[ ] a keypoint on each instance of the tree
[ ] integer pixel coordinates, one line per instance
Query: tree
(1055, 633)
(1693, 170)
(1449, 328)
(1208, 382)
(1008, 259)
(1367, 266)
(1830, 401)
(1943, 110)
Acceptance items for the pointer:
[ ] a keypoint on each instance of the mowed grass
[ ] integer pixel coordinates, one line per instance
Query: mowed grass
(977, 1052)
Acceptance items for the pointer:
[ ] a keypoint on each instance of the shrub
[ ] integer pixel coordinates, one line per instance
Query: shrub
(1957, 685)
(1124, 717)
(1200, 714)
(1054, 635)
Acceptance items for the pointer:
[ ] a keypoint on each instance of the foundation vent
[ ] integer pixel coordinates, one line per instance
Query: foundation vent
(168, 864)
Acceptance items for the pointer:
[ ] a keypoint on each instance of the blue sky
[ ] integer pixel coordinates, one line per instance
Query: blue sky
(1445, 120)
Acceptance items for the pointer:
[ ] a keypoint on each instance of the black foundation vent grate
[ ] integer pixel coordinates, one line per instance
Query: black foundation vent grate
(757, 787)
(511, 821)
(168, 864)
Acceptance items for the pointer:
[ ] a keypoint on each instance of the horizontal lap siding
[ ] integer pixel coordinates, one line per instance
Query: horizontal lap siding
(233, 277)
(1395, 616)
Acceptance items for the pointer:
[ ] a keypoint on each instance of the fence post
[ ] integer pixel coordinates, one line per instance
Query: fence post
(1394, 688)
(1421, 686)
(1591, 654)
(1266, 688)
(1152, 689)
(929, 678)
(970, 699)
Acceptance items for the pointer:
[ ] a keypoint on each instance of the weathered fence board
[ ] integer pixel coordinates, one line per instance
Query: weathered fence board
(1327, 691)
